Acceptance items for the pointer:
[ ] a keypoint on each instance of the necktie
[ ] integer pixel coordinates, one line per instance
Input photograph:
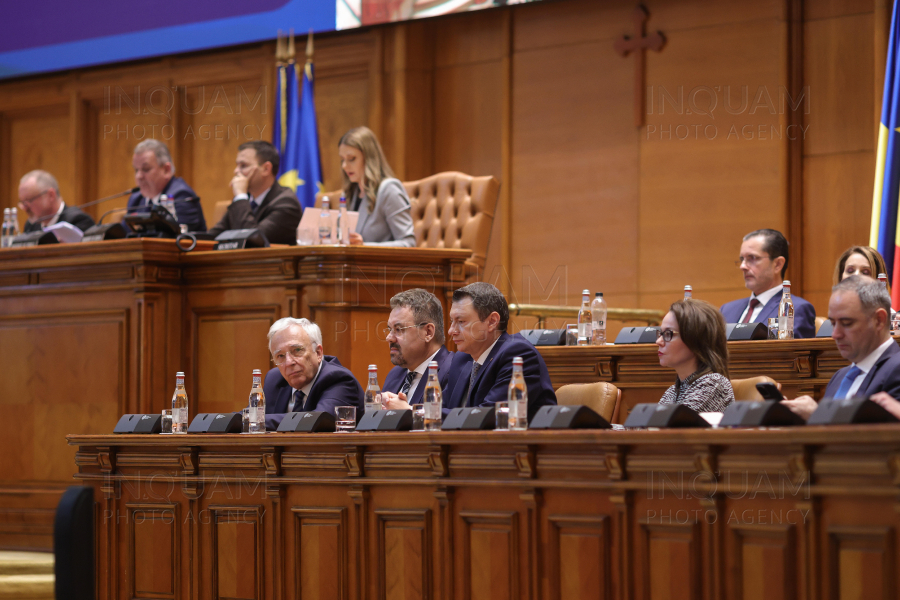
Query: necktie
(753, 304)
(475, 367)
(253, 204)
(296, 402)
(407, 383)
(847, 383)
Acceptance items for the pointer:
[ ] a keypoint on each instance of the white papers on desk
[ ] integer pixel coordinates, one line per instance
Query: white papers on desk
(66, 233)
(310, 220)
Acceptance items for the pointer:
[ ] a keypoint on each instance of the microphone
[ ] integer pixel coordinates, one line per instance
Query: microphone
(93, 202)
(103, 216)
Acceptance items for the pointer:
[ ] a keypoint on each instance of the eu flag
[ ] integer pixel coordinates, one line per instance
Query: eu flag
(885, 230)
(301, 167)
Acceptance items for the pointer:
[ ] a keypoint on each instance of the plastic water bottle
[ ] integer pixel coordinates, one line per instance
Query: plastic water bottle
(883, 279)
(598, 320)
(433, 399)
(373, 390)
(257, 416)
(584, 320)
(168, 204)
(4, 240)
(517, 397)
(13, 224)
(325, 223)
(786, 314)
(179, 405)
(688, 292)
(343, 230)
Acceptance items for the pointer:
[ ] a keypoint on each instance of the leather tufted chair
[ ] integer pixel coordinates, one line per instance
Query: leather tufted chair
(603, 398)
(745, 389)
(451, 210)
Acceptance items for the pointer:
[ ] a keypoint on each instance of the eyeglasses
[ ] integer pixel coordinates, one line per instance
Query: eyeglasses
(666, 334)
(295, 352)
(398, 331)
(750, 260)
(33, 198)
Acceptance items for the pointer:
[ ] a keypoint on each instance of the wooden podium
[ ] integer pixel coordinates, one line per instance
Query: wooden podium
(91, 331)
(807, 512)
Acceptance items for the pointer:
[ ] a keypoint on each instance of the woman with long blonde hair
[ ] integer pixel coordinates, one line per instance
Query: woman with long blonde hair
(371, 189)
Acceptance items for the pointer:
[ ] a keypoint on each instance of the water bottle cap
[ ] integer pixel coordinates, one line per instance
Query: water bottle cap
(163, 197)
(257, 372)
(882, 276)
(786, 283)
(373, 367)
(433, 365)
(586, 292)
(179, 374)
(598, 295)
(687, 287)
(517, 360)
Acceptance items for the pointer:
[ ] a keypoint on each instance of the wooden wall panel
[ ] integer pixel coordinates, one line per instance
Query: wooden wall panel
(235, 340)
(154, 550)
(39, 390)
(404, 542)
(41, 141)
(765, 561)
(490, 555)
(320, 541)
(862, 562)
(580, 559)
(237, 552)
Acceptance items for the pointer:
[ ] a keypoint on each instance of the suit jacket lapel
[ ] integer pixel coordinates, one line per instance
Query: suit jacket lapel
(489, 361)
(891, 350)
(267, 199)
(461, 385)
(769, 310)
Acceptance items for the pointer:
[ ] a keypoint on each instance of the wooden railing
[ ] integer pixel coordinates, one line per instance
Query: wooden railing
(649, 316)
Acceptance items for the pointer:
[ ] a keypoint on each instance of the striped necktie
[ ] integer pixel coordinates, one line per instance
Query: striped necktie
(407, 383)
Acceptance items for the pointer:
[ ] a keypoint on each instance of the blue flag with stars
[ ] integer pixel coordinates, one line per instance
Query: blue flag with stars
(301, 166)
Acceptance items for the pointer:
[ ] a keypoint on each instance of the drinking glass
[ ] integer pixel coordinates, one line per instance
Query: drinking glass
(501, 415)
(346, 418)
(773, 328)
(418, 417)
(245, 420)
(572, 335)
(306, 236)
(166, 420)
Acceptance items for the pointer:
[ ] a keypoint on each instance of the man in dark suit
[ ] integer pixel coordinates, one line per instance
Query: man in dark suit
(259, 201)
(415, 333)
(763, 262)
(39, 197)
(860, 310)
(304, 378)
(154, 174)
(479, 315)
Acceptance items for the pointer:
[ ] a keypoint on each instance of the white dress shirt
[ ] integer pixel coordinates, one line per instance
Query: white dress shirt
(305, 389)
(763, 300)
(865, 365)
(420, 374)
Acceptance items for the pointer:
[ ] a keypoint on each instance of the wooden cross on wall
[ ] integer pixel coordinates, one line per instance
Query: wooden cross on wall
(638, 44)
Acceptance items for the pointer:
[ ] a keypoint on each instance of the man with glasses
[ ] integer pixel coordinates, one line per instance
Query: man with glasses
(39, 197)
(304, 378)
(763, 262)
(415, 334)
(482, 367)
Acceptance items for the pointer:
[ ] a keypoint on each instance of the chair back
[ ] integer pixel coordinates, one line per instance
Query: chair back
(819, 321)
(745, 389)
(73, 544)
(450, 210)
(219, 211)
(602, 397)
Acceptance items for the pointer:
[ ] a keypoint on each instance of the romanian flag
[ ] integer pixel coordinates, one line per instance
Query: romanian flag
(296, 134)
(885, 232)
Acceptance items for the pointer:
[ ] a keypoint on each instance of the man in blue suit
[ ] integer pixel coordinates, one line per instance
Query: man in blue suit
(415, 333)
(479, 316)
(154, 174)
(763, 262)
(860, 310)
(304, 378)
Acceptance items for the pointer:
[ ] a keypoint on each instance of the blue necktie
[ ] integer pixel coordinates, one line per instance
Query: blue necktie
(253, 205)
(847, 383)
(296, 403)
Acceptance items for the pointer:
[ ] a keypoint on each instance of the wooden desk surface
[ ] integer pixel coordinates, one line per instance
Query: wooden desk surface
(805, 512)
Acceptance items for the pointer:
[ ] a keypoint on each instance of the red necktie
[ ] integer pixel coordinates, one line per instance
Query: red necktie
(753, 304)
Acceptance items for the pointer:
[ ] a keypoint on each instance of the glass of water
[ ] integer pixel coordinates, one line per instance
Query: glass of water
(245, 420)
(346, 418)
(572, 335)
(166, 420)
(307, 236)
(501, 415)
(773, 328)
(418, 417)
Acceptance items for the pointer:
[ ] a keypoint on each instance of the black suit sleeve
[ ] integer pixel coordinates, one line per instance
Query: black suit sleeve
(82, 221)
(278, 223)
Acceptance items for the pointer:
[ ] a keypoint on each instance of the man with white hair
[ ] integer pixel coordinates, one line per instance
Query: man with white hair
(154, 174)
(39, 197)
(304, 378)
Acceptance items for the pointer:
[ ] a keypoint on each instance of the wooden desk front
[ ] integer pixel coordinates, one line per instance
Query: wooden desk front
(89, 332)
(761, 514)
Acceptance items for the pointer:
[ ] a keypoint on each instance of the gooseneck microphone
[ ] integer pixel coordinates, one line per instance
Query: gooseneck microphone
(93, 202)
